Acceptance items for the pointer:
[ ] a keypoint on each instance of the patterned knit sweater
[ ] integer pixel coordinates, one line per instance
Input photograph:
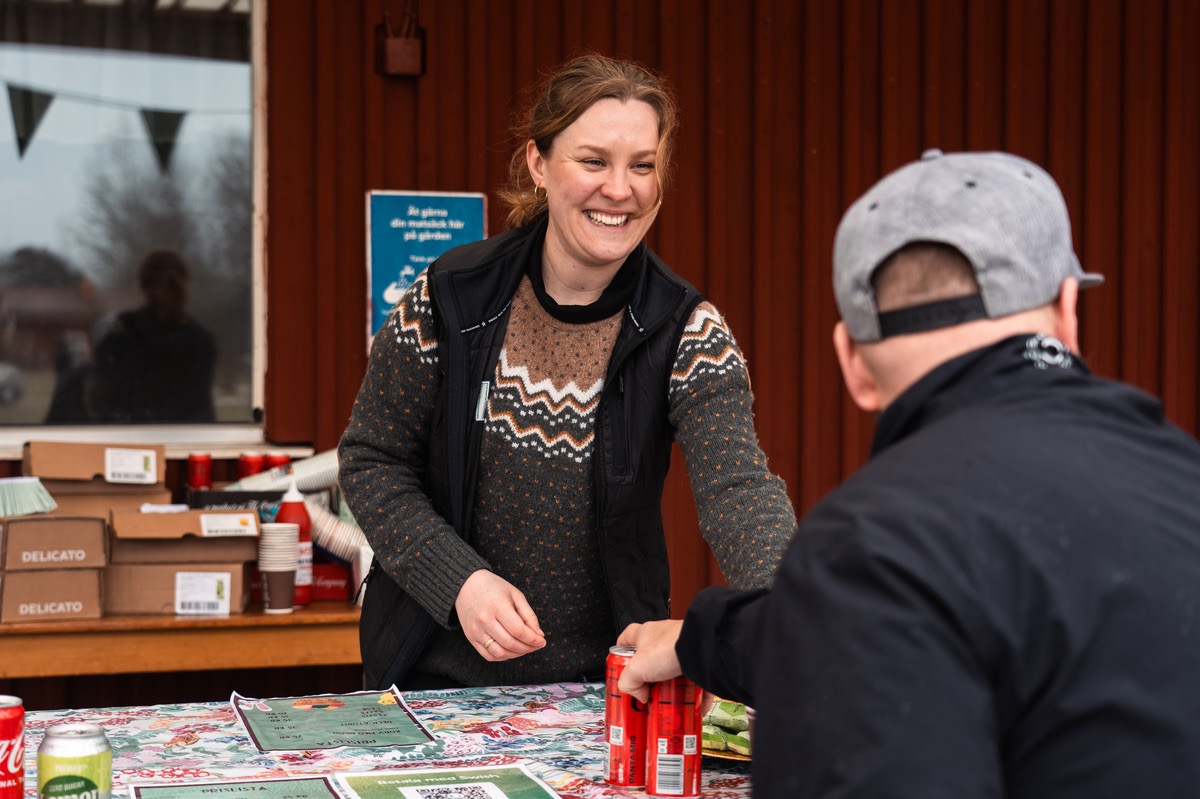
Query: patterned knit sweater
(533, 519)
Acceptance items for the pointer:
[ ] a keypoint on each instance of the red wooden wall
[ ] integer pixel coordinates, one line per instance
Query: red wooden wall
(790, 110)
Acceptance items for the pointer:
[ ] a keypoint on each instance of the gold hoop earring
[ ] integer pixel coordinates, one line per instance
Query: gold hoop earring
(541, 198)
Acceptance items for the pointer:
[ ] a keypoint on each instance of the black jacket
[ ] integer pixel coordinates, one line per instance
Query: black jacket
(1004, 602)
(471, 287)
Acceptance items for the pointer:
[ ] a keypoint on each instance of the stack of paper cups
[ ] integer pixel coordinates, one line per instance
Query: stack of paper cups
(278, 554)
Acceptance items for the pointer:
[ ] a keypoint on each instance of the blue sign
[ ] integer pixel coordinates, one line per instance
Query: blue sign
(406, 232)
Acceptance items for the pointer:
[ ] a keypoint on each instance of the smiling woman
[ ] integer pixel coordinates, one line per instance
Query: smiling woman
(524, 395)
(130, 136)
(600, 172)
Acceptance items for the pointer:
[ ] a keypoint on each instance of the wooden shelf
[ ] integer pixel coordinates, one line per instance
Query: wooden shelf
(322, 634)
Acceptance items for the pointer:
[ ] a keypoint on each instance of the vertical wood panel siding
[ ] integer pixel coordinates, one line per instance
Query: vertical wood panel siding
(1181, 217)
(790, 110)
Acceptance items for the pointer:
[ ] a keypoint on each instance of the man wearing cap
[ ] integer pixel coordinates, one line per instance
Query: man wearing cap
(1005, 600)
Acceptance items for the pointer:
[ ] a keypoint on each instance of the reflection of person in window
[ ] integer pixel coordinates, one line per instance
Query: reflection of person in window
(72, 367)
(155, 363)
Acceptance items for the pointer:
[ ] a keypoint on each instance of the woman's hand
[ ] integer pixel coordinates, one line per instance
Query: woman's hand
(496, 619)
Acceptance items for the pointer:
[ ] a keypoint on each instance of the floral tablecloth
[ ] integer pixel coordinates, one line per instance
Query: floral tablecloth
(557, 731)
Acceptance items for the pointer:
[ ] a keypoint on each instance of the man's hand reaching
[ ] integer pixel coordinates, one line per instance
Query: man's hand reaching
(655, 658)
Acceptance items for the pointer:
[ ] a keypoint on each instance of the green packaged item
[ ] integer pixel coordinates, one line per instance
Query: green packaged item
(728, 715)
(739, 742)
(713, 737)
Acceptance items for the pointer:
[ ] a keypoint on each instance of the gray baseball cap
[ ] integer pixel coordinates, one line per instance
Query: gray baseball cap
(1006, 215)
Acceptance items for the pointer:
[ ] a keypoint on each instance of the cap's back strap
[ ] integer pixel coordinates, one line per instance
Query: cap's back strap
(932, 315)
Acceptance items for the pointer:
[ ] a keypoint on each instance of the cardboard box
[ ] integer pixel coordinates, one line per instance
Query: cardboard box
(96, 479)
(192, 536)
(99, 466)
(331, 581)
(44, 543)
(30, 596)
(176, 588)
(265, 502)
(103, 505)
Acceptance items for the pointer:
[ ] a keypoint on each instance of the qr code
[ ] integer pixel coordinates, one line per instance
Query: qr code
(482, 790)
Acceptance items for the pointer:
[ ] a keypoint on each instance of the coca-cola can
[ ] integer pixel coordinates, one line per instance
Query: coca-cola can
(673, 734)
(12, 747)
(199, 470)
(275, 459)
(251, 463)
(624, 725)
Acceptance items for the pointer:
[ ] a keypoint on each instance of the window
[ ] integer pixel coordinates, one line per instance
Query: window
(127, 277)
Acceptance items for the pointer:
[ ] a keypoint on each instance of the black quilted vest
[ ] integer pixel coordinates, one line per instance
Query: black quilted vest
(471, 287)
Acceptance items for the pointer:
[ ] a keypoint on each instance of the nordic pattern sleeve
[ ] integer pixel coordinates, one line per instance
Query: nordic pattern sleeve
(744, 510)
(384, 454)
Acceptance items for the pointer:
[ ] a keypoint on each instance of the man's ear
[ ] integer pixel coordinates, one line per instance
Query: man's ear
(860, 382)
(1066, 314)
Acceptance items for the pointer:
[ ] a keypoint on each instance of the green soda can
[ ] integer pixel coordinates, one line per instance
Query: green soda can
(74, 762)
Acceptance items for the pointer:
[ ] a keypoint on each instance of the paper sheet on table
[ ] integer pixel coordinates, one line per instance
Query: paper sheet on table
(284, 788)
(327, 721)
(470, 782)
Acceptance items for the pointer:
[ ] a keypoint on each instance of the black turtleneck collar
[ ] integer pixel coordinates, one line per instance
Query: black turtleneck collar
(615, 296)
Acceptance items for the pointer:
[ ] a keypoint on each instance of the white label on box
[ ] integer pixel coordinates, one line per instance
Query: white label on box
(202, 593)
(131, 466)
(225, 525)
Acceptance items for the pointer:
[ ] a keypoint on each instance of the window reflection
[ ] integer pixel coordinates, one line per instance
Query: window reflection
(125, 242)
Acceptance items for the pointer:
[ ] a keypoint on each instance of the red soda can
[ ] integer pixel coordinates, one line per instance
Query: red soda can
(624, 725)
(673, 735)
(250, 463)
(12, 748)
(275, 459)
(199, 470)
